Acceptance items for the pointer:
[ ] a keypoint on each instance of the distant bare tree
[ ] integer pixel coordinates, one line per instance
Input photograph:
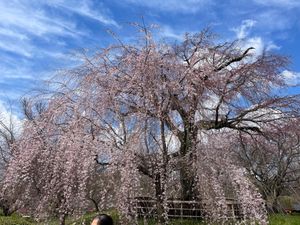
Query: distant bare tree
(8, 136)
(273, 160)
(10, 128)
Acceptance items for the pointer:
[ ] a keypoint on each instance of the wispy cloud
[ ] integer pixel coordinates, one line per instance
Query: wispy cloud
(279, 3)
(24, 17)
(272, 46)
(10, 119)
(291, 78)
(87, 9)
(259, 45)
(169, 32)
(243, 30)
(14, 34)
(245, 42)
(257, 42)
(178, 6)
(36, 38)
(10, 72)
(275, 19)
(16, 46)
(21, 22)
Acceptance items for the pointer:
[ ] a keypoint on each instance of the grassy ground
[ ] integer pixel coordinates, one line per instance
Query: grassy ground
(15, 220)
(278, 219)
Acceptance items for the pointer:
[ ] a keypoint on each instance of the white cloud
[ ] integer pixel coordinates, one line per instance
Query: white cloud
(187, 6)
(171, 33)
(25, 18)
(260, 45)
(255, 42)
(14, 73)
(243, 30)
(9, 119)
(21, 21)
(271, 46)
(280, 3)
(291, 78)
(85, 8)
(275, 19)
(25, 27)
(16, 47)
(242, 33)
(14, 34)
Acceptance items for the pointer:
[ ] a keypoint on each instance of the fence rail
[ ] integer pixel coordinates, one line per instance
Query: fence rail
(183, 209)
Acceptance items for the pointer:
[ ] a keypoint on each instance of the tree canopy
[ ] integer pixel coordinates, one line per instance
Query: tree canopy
(150, 112)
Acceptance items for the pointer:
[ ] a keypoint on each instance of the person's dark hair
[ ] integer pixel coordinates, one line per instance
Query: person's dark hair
(104, 219)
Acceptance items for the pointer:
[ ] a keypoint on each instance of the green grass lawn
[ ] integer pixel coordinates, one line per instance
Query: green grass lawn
(277, 219)
(281, 219)
(15, 220)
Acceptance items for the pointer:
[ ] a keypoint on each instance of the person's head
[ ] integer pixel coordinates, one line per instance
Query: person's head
(102, 219)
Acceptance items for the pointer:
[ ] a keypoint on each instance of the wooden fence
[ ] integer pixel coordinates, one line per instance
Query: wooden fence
(183, 209)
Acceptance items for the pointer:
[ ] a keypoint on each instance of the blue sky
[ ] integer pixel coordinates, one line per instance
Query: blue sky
(40, 37)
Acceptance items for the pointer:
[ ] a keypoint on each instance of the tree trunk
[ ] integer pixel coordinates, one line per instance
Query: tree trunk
(159, 199)
(161, 179)
(187, 154)
(187, 182)
(5, 208)
(276, 205)
(62, 219)
(6, 211)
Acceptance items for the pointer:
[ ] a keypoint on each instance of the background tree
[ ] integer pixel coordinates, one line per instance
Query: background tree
(272, 160)
(9, 129)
